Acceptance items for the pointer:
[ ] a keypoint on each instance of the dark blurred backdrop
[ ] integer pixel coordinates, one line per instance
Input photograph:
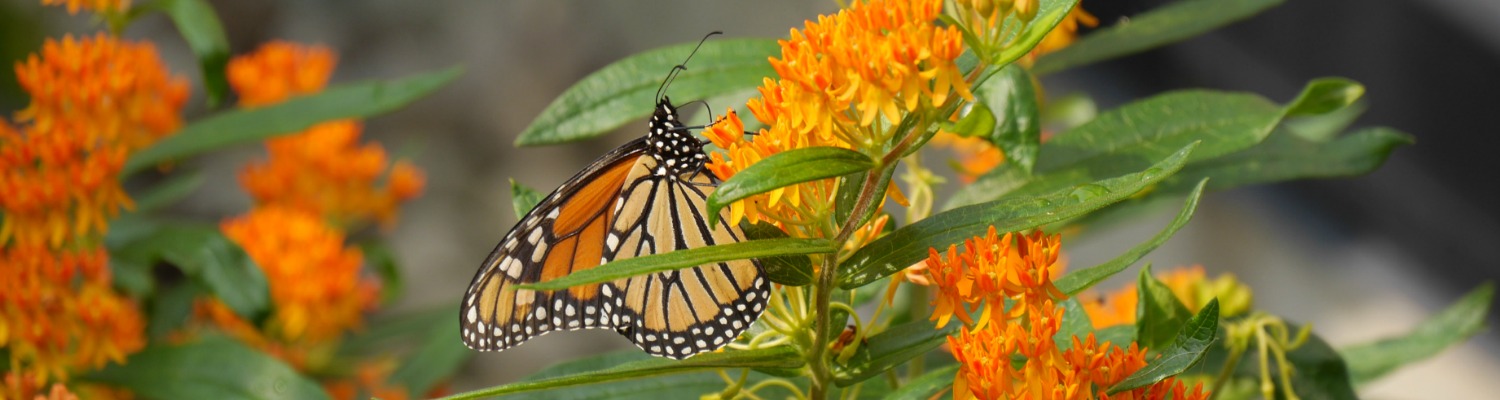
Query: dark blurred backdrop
(1360, 258)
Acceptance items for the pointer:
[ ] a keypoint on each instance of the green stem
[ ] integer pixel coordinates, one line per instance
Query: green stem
(817, 362)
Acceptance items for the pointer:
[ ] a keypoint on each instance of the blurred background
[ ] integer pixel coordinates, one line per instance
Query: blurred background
(1360, 258)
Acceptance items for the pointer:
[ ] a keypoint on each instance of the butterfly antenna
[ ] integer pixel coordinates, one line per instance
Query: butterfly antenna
(672, 75)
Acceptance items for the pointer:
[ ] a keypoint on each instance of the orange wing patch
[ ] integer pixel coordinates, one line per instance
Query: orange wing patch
(581, 222)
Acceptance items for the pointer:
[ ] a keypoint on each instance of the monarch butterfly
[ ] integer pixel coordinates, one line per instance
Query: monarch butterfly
(645, 197)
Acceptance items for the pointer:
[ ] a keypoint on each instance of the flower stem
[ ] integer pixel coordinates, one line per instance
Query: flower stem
(817, 361)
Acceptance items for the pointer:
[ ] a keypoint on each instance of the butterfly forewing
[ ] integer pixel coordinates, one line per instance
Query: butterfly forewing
(646, 197)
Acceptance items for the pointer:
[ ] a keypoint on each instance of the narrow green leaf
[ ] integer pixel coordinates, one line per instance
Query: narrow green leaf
(438, 357)
(978, 122)
(928, 385)
(236, 127)
(1325, 95)
(1189, 346)
(1286, 156)
(889, 349)
(1170, 23)
(1457, 323)
(1048, 14)
(909, 244)
(382, 260)
(1152, 128)
(1075, 322)
(777, 357)
(167, 192)
(523, 198)
(623, 91)
(783, 169)
(132, 276)
(200, 27)
(210, 368)
(1324, 127)
(686, 259)
(849, 191)
(1077, 281)
(205, 255)
(1018, 130)
(170, 309)
(786, 270)
(1158, 314)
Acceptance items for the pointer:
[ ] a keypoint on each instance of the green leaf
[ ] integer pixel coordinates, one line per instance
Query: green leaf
(909, 244)
(1189, 346)
(437, 358)
(1170, 23)
(777, 357)
(523, 198)
(170, 309)
(978, 122)
(1321, 373)
(382, 260)
(237, 127)
(783, 169)
(1158, 313)
(1152, 128)
(1076, 281)
(210, 368)
(1069, 111)
(403, 331)
(623, 91)
(1118, 334)
(1134, 136)
(1457, 323)
(1018, 131)
(167, 192)
(200, 27)
(204, 254)
(1324, 127)
(786, 270)
(686, 259)
(1048, 14)
(1075, 322)
(132, 276)
(1325, 95)
(888, 349)
(849, 191)
(928, 385)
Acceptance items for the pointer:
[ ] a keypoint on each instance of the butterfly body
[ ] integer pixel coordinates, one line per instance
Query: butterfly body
(645, 197)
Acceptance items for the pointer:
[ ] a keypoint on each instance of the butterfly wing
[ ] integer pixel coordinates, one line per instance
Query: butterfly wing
(678, 313)
(562, 234)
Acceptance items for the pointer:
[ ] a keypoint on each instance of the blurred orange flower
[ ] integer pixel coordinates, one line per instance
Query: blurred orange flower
(58, 312)
(101, 90)
(1190, 285)
(96, 5)
(315, 281)
(324, 170)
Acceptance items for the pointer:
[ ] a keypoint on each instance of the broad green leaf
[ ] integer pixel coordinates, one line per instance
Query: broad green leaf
(978, 122)
(1075, 322)
(1324, 127)
(200, 27)
(171, 308)
(783, 169)
(1152, 128)
(786, 270)
(849, 191)
(1170, 23)
(1132, 137)
(1457, 323)
(928, 385)
(1286, 156)
(167, 192)
(379, 257)
(210, 368)
(686, 259)
(1189, 346)
(438, 357)
(1018, 130)
(132, 276)
(1048, 14)
(1325, 95)
(886, 350)
(523, 198)
(777, 357)
(1320, 373)
(623, 91)
(237, 127)
(908, 245)
(1118, 334)
(1158, 313)
(205, 255)
(1076, 281)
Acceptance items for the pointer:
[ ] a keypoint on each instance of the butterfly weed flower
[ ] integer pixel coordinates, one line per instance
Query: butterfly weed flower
(101, 6)
(324, 169)
(59, 313)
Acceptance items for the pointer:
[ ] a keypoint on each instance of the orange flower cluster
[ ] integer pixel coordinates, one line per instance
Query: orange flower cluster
(994, 269)
(879, 58)
(101, 6)
(93, 101)
(324, 169)
(315, 280)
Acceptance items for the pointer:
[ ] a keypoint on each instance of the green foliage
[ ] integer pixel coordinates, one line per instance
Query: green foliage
(1173, 22)
(210, 368)
(1018, 129)
(688, 258)
(777, 357)
(200, 27)
(1460, 321)
(785, 169)
(1187, 347)
(891, 348)
(203, 254)
(1159, 312)
(523, 198)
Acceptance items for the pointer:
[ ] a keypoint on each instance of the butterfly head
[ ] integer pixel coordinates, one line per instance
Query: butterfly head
(673, 146)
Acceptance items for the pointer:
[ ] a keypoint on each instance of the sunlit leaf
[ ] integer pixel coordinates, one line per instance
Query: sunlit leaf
(785, 169)
(686, 259)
